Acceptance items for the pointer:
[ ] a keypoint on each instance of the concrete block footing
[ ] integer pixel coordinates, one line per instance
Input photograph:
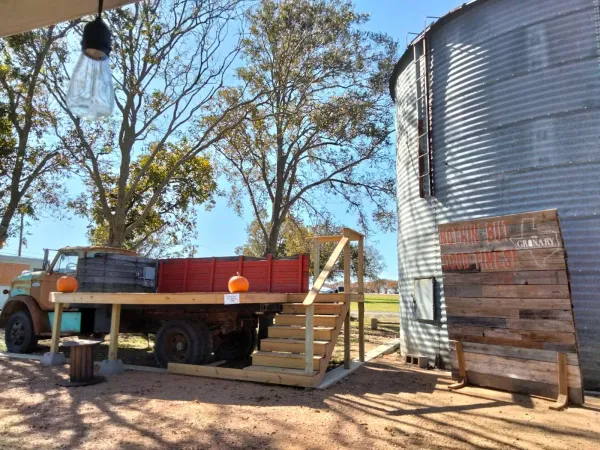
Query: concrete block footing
(111, 367)
(53, 359)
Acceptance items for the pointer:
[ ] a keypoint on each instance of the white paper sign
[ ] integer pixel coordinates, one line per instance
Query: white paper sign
(231, 299)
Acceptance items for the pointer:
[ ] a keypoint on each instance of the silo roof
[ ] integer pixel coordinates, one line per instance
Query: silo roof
(407, 55)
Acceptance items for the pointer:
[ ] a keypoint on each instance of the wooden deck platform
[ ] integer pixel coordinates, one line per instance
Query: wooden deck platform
(190, 298)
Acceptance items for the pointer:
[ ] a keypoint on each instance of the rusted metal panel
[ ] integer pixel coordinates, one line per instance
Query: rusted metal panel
(516, 92)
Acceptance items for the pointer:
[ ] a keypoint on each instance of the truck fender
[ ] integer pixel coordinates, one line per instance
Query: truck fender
(41, 324)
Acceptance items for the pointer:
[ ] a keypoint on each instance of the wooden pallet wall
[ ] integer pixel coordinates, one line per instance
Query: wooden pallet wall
(508, 302)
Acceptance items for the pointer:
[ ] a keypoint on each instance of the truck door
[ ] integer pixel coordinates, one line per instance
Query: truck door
(65, 263)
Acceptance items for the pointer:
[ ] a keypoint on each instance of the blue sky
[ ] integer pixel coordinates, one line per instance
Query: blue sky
(221, 230)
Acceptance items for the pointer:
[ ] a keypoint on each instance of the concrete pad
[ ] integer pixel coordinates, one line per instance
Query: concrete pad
(111, 367)
(20, 356)
(53, 359)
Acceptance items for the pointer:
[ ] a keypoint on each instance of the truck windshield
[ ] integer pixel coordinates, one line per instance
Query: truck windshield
(66, 263)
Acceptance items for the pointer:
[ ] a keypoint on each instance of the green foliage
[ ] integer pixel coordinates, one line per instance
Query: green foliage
(320, 128)
(171, 222)
(143, 168)
(30, 165)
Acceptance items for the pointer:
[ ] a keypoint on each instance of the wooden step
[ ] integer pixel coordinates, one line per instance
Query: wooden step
(300, 372)
(280, 376)
(292, 346)
(300, 319)
(320, 308)
(280, 359)
(295, 332)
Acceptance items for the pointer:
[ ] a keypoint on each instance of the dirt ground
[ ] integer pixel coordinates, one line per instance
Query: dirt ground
(383, 405)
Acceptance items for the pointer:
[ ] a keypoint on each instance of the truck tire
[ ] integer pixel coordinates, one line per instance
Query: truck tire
(180, 341)
(19, 335)
(208, 342)
(237, 344)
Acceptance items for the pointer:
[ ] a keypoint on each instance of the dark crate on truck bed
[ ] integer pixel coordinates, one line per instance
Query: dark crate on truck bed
(283, 275)
(109, 272)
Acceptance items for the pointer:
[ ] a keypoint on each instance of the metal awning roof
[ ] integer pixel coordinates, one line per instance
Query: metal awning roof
(17, 16)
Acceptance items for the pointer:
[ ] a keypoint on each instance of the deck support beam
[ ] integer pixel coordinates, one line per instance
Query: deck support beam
(112, 365)
(53, 357)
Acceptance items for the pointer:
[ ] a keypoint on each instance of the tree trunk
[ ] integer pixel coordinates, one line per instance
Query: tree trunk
(271, 247)
(7, 217)
(116, 232)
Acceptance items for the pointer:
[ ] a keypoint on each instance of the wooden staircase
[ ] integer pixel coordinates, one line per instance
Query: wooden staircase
(300, 344)
(285, 346)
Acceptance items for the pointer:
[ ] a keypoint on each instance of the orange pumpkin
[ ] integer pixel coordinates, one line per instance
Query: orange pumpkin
(66, 284)
(238, 283)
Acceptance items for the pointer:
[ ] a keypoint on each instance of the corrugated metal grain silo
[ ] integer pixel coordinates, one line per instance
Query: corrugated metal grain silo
(498, 112)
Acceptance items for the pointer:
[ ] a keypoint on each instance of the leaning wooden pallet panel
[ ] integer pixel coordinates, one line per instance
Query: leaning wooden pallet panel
(508, 300)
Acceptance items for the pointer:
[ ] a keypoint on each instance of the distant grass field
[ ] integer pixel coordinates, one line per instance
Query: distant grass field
(380, 303)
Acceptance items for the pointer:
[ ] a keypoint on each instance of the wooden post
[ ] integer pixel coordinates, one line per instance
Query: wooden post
(563, 383)
(361, 305)
(115, 320)
(347, 289)
(462, 370)
(310, 316)
(58, 309)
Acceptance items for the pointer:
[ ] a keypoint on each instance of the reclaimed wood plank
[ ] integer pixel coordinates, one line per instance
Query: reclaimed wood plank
(498, 341)
(482, 312)
(550, 215)
(547, 314)
(514, 291)
(549, 336)
(515, 241)
(519, 368)
(508, 260)
(548, 356)
(545, 390)
(492, 322)
(524, 277)
(509, 303)
(541, 325)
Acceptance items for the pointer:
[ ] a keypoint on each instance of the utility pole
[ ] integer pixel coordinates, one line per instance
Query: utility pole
(21, 234)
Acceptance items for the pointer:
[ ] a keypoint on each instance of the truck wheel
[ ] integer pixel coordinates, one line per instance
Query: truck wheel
(19, 335)
(237, 344)
(180, 341)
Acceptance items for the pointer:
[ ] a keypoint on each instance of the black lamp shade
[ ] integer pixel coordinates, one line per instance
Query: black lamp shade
(96, 36)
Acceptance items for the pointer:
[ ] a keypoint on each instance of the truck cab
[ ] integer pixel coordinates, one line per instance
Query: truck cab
(25, 314)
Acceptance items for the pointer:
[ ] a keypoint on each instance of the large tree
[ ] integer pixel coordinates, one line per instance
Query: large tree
(143, 169)
(321, 132)
(30, 162)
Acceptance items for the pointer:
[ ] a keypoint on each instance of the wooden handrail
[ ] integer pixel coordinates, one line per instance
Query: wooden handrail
(318, 284)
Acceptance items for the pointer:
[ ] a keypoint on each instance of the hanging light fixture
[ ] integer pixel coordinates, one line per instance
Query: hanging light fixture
(91, 93)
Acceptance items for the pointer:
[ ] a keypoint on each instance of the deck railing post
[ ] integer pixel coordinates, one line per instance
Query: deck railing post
(310, 314)
(347, 288)
(361, 305)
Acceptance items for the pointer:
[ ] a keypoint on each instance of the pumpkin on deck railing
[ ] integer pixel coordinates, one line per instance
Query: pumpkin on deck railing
(66, 284)
(238, 283)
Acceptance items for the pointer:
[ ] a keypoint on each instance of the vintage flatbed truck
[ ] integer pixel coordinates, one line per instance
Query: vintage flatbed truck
(185, 333)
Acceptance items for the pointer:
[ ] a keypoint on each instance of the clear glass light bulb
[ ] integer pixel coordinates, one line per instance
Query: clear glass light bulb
(91, 93)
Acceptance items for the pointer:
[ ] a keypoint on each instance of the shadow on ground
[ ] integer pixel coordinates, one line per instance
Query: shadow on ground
(383, 405)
